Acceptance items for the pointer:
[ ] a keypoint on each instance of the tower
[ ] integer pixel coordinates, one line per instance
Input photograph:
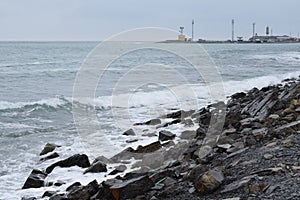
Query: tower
(253, 29)
(181, 37)
(232, 36)
(193, 22)
(267, 31)
(181, 30)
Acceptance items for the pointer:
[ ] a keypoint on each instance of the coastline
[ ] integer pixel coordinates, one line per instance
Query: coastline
(254, 158)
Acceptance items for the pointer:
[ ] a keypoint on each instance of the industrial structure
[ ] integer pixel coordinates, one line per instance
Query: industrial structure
(267, 38)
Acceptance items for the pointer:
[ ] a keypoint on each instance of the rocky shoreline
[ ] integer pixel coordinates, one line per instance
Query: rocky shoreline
(256, 156)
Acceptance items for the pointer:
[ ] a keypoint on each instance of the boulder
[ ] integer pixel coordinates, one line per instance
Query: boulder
(129, 132)
(96, 168)
(118, 169)
(48, 194)
(131, 188)
(166, 135)
(51, 156)
(58, 197)
(148, 148)
(80, 160)
(209, 181)
(153, 122)
(35, 179)
(84, 192)
(48, 148)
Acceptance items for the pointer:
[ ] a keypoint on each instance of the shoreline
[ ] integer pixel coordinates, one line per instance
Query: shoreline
(253, 155)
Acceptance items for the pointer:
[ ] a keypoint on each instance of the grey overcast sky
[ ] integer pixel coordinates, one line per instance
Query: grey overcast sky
(99, 19)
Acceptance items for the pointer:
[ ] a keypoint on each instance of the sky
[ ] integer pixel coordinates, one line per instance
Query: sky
(95, 20)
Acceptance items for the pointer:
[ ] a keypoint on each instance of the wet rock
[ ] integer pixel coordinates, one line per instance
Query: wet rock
(73, 186)
(51, 156)
(131, 188)
(166, 135)
(48, 194)
(29, 198)
(48, 148)
(118, 169)
(58, 197)
(103, 159)
(148, 148)
(138, 153)
(84, 192)
(35, 179)
(180, 114)
(176, 121)
(80, 160)
(96, 168)
(129, 132)
(59, 183)
(209, 181)
(153, 122)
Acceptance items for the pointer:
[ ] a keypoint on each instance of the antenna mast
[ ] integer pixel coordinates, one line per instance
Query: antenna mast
(193, 22)
(232, 22)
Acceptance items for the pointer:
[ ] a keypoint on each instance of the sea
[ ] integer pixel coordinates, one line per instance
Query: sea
(37, 81)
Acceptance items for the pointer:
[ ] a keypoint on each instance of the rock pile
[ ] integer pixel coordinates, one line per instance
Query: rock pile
(256, 156)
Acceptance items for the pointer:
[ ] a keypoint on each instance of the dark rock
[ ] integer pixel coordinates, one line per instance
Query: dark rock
(138, 153)
(103, 193)
(129, 132)
(51, 156)
(118, 169)
(196, 173)
(166, 135)
(153, 122)
(58, 197)
(29, 198)
(238, 95)
(48, 148)
(148, 148)
(209, 181)
(48, 194)
(59, 183)
(96, 168)
(103, 159)
(176, 121)
(84, 192)
(74, 185)
(201, 133)
(35, 179)
(80, 160)
(132, 188)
